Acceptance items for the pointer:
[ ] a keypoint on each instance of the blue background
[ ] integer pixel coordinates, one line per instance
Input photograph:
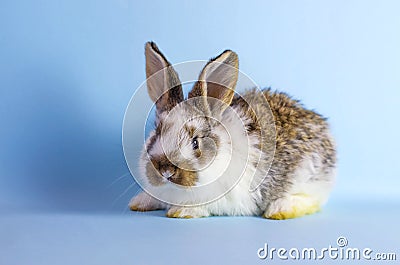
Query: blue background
(69, 68)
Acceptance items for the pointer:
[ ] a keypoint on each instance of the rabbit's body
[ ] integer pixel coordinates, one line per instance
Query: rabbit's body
(302, 172)
(295, 162)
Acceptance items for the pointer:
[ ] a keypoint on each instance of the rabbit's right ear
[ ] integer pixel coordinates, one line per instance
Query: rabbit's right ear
(216, 84)
(163, 83)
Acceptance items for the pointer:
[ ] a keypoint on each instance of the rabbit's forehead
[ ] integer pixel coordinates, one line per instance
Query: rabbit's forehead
(175, 133)
(181, 128)
(181, 120)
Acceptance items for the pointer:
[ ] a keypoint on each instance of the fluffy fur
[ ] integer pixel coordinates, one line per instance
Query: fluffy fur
(295, 161)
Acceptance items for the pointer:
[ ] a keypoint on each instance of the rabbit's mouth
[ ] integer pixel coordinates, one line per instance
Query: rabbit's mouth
(168, 174)
(173, 179)
(160, 173)
(181, 177)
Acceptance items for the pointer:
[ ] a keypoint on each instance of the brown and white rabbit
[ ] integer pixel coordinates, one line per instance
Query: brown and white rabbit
(288, 147)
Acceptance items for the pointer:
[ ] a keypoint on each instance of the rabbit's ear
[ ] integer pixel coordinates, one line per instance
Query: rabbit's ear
(218, 80)
(163, 83)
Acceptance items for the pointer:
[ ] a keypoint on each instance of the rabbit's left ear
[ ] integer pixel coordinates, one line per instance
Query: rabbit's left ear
(217, 81)
(163, 84)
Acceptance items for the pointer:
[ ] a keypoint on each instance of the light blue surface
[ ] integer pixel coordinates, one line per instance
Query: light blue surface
(69, 68)
(150, 238)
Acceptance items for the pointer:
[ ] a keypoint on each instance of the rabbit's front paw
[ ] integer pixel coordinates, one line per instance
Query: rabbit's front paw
(144, 202)
(187, 212)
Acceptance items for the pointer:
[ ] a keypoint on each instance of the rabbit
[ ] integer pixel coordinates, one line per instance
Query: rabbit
(297, 156)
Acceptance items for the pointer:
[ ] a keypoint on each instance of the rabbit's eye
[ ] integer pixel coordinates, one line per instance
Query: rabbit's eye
(195, 143)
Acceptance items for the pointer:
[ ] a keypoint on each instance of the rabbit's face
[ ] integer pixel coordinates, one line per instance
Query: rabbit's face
(182, 145)
(187, 136)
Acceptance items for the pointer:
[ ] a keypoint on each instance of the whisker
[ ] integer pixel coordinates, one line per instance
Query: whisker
(124, 192)
(126, 209)
(118, 179)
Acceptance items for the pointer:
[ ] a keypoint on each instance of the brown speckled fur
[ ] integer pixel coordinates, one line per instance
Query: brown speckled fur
(299, 132)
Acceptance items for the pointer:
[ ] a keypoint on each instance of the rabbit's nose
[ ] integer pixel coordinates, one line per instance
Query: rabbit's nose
(167, 174)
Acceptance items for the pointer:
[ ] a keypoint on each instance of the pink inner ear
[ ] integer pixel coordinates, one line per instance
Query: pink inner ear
(163, 84)
(219, 91)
